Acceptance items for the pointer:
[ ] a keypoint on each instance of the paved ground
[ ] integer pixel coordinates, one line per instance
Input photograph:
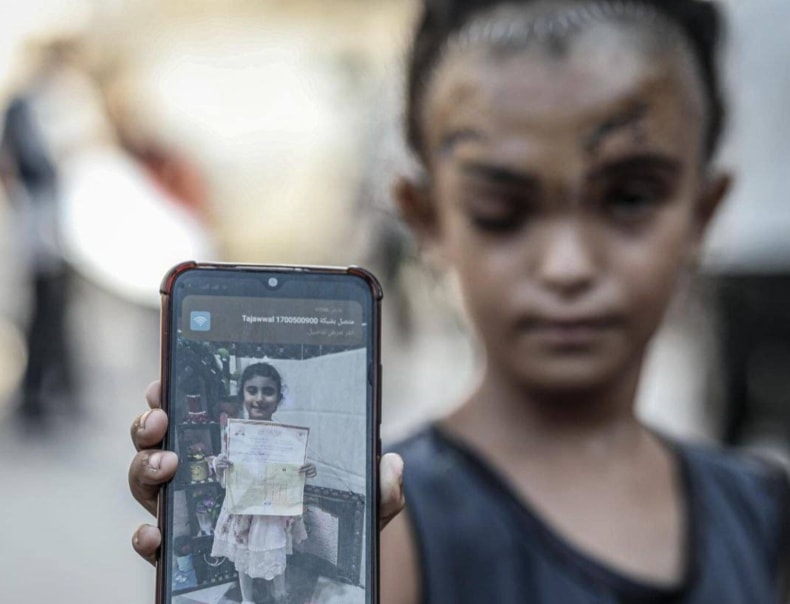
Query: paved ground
(67, 516)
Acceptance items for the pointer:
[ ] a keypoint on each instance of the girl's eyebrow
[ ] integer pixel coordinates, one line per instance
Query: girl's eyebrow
(500, 175)
(644, 161)
(631, 116)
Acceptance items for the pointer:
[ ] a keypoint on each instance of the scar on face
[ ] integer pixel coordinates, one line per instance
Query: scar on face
(631, 119)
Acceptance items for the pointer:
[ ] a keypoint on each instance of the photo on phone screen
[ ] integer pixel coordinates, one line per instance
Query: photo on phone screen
(271, 392)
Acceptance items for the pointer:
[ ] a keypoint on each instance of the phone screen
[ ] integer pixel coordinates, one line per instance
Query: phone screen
(271, 389)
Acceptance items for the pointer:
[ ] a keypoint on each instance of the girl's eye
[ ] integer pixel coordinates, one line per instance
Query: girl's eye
(634, 201)
(500, 216)
(269, 391)
(496, 224)
(629, 204)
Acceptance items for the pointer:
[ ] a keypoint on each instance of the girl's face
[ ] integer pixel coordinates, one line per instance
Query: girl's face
(568, 195)
(261, 397)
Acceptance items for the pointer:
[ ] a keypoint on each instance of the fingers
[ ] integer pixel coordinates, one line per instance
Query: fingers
(309, 470)
(149, 429)
(148, 471)
(391, 478)
(146, 541)
(153, 394)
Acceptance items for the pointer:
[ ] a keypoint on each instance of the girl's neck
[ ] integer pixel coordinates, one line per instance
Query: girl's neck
(504, 414)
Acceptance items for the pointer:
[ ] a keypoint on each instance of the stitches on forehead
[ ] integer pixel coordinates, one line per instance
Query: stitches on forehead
(512, 27)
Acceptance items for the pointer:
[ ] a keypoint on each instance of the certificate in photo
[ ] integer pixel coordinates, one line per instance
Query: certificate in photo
(264, 477)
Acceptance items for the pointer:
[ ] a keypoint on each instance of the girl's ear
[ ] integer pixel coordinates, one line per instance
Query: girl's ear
(418, 210)
(714, 190)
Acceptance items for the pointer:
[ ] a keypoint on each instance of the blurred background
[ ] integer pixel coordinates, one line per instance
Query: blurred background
(138, 133)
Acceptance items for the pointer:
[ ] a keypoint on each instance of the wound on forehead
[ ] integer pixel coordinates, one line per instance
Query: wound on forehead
(631, 118)
(689, 29)
(550, 29)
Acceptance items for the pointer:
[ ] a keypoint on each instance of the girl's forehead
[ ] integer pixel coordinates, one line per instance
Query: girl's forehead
(606, 71)
(260, 380)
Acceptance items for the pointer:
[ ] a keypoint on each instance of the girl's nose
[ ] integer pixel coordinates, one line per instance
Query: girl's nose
(566, 262)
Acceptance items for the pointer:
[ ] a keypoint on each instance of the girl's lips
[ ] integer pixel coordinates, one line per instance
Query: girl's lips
(570, 332)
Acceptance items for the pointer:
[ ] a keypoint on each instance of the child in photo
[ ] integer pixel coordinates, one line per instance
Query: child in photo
(258, 545)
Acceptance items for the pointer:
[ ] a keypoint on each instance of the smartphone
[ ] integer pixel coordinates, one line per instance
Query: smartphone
(271, 380)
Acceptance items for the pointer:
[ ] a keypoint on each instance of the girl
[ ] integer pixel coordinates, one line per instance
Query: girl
(567, 182)
(257, 544)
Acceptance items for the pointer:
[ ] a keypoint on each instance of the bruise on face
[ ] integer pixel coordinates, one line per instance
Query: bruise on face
(631, 119)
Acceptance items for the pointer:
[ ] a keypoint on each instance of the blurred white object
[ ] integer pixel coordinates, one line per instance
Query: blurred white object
(750, 233)
(122, 231)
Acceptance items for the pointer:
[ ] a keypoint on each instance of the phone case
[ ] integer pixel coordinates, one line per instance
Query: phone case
(375, 371)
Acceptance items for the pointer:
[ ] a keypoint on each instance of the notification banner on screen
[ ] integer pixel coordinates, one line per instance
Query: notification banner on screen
(273, 320)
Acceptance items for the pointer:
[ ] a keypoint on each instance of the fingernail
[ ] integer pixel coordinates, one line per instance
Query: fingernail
(144, 418)
(155, 461)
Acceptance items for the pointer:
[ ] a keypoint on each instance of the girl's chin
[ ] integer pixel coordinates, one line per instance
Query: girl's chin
(561, 376)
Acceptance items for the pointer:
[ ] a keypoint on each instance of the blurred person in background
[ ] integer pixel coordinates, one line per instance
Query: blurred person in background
(35, 127)
(85, 173)
(568, 183)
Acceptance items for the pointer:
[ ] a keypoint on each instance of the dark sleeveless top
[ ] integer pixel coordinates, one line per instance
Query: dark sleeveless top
(479, 543)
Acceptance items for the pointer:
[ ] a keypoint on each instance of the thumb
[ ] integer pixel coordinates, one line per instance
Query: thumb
(392, 498)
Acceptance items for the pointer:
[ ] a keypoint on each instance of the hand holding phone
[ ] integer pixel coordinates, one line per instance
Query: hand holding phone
(146, 485)
(148, 430)
(257, 362)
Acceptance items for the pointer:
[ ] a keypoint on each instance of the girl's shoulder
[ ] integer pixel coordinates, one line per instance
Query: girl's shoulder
(422, 441)
(741, 490)
(438, 469)
(430, 455)
(737, 475)
(731, 488)
(741, 474)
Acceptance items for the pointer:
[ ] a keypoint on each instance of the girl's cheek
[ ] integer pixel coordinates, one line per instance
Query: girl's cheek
(651, 274)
